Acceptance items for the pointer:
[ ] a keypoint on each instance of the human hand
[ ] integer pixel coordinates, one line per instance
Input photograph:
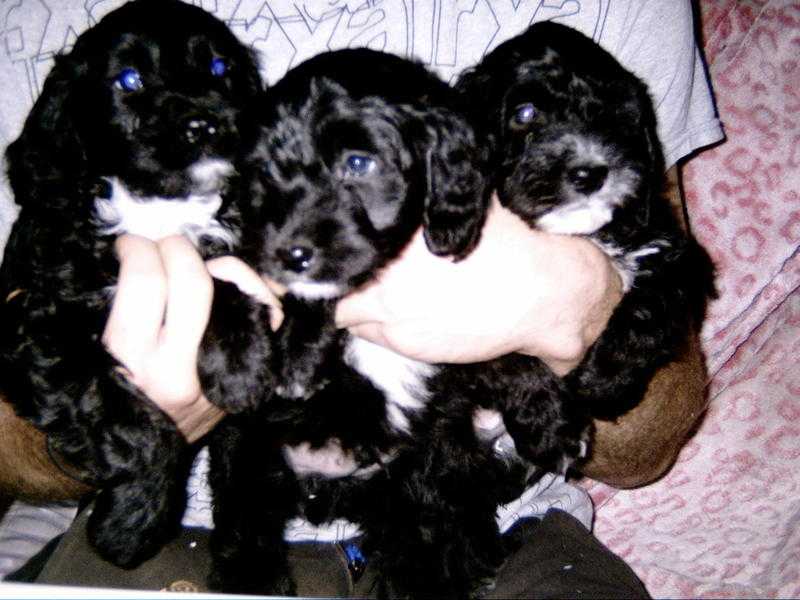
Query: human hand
(520, 290)
(160, 312)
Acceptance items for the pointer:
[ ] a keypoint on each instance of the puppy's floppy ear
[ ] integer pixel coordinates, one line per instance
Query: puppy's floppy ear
(482, 96)
(48, 158)
(323, 91)
(640, 105)
(457, 194)
(252, 75)
(642, 113)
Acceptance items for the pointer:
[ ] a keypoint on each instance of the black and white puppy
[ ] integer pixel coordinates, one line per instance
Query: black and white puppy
(136, 130)
(359, 150)
(574, 150)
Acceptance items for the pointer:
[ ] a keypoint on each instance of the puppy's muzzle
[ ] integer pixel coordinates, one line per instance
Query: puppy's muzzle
(200, 129)
(296, 259)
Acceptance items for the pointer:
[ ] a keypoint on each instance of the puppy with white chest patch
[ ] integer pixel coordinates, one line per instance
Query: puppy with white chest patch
(358, 151)
(574, 150)
(136, 131)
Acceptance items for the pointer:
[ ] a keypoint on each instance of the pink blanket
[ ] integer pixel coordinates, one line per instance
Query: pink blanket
(725, 522)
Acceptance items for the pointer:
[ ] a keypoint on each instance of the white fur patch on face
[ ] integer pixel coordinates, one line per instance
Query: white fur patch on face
(577, 218)
(311, 290)
(583, 214)
(156, 218)
(401, 379)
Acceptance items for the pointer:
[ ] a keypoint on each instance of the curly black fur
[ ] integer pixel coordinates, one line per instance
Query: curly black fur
(133, 113)
(574, 150)
(358, 150)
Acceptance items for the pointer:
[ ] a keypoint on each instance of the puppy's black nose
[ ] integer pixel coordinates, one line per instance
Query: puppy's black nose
(297, 258)
(199, 129)
(587, 179)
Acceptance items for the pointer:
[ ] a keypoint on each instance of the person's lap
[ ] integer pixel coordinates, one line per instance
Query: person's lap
(554, 557)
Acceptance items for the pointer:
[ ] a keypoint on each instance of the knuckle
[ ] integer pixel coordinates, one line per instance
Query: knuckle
(568, 346)
(173, 394)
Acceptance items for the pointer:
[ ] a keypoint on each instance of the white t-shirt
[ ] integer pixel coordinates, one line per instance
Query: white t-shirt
(653, 38)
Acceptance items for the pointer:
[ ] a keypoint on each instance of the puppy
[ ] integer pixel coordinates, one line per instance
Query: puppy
(136, 130)
(359, 150)
(574, 150)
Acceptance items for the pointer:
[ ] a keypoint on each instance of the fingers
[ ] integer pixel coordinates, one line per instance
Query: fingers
(134, 324)
(235, 271)
(158, 317)
(189, 294)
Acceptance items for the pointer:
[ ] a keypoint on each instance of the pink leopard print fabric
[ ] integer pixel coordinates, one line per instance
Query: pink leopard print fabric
(725, 522)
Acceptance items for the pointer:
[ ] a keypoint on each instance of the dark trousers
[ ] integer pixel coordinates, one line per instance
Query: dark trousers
(556, 557)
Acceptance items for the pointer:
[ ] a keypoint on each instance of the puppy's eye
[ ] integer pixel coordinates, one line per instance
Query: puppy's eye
(524, 114)
(129, 80)
(219, 67)
(359, 165)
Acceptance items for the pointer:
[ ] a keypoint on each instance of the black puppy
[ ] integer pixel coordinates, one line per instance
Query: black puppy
(136, 130)
(359, 149)
(574, 150)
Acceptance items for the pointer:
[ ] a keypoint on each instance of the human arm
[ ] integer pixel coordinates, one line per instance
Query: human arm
(519, 291)
(544, 295)
(160, 310)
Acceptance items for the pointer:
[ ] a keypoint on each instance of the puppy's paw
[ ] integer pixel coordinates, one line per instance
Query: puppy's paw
(451, 234)
(555, 449)
(127, 525)
(575, 448)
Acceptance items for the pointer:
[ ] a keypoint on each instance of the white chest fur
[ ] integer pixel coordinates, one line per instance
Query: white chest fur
(401, 379)
(155, 218)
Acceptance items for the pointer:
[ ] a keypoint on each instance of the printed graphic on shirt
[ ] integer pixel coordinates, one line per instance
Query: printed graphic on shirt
(447, 35)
